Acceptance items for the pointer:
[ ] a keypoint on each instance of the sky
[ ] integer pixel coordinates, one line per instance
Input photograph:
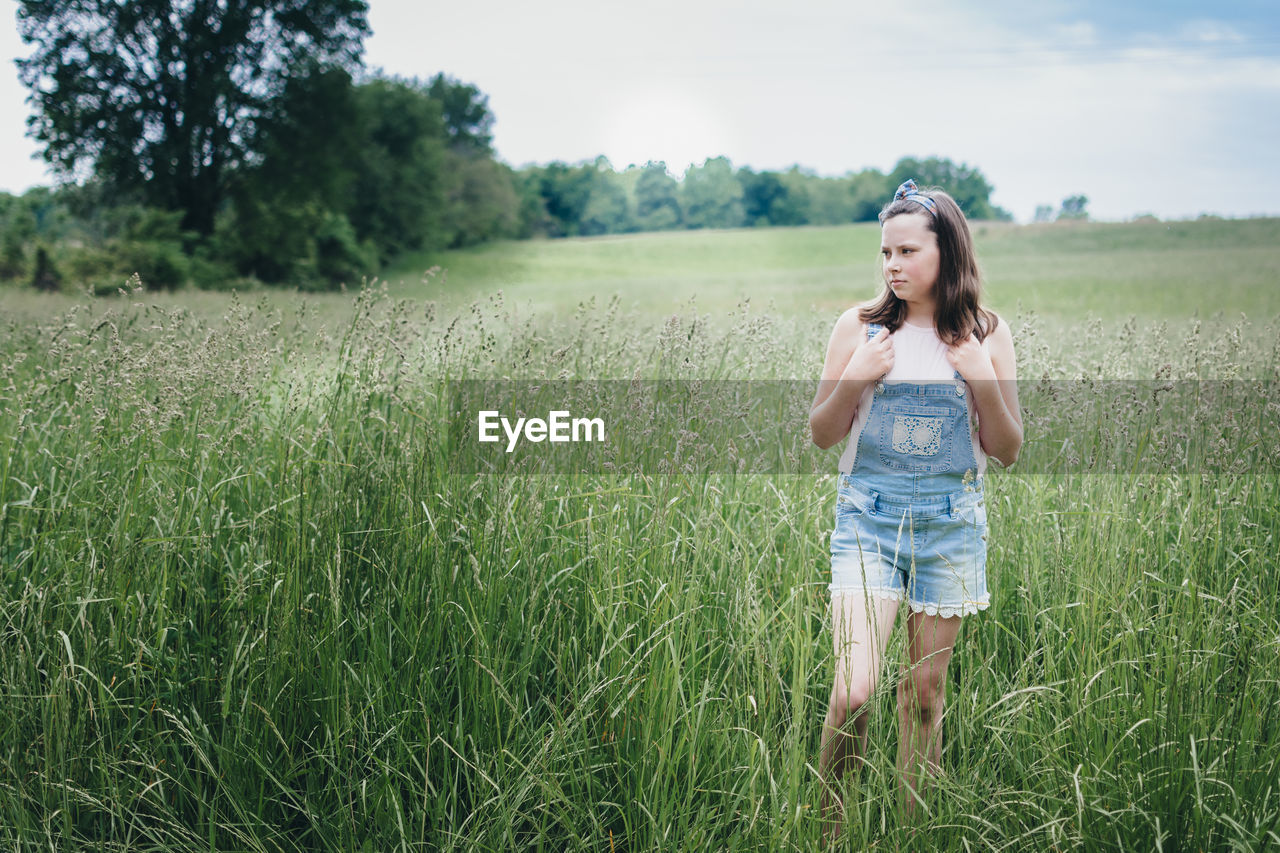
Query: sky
(1169, 108)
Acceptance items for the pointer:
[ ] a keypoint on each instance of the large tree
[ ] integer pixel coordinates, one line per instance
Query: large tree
(465, 111)
(161, 98)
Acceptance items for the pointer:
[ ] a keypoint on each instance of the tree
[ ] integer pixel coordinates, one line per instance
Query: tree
(45, 277)
(481, 199)
(760, 192)
(965, 184)
(796, 205)
(657, 204)
(398, 198)
(468, 124)
(160, 98)
(308, 142)
(481, 194)
(867, 189)
(1044, 213)
(535, 221)
(565, 191)
(831, 200)
(18, 224)
(608, 209)
(711, 196)
(352, 175)
(1073, 207)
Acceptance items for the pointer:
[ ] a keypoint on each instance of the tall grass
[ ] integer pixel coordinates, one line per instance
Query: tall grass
(249, 605)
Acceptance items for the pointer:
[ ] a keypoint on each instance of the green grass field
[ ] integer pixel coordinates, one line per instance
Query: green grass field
(249, 602)
(1148, 270)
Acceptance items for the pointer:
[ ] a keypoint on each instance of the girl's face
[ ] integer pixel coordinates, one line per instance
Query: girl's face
(909, 252)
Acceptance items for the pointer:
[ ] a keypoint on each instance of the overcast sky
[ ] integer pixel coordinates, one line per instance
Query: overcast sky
(1171, 108)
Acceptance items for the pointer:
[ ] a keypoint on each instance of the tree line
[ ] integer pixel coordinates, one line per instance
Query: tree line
(210, 142)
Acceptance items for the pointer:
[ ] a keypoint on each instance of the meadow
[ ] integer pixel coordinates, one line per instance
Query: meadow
(250, 601)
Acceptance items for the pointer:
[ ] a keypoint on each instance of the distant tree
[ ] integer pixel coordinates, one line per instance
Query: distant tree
(50, 209)
(149, 243)
(710, 195)
(162, 97)
(481, 198)
(534, 220)
(45, 277)
(1044, 213)
(760, 192)
(965, 184)
(830, 200)
(867, 188)
(13, 256)
(657, 200)
(18, 224)
(608, 209)
(795, 208)
(1074, 207)
(566, 190)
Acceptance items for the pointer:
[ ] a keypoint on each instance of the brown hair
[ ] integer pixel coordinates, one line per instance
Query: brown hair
(958, 292)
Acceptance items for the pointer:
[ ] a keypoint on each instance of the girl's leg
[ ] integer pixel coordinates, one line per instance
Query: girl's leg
(861, 625)
(921, 699)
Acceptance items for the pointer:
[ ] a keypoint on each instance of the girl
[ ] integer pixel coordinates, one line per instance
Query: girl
(922, 382)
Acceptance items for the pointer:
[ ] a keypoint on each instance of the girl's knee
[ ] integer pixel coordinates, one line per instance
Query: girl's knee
(849, 700)
(921, 697)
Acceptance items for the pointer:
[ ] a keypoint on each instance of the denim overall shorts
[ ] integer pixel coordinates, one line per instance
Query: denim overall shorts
(911, 521)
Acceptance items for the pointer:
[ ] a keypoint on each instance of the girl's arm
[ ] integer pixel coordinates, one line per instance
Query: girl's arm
(851, 365)
(993, 382)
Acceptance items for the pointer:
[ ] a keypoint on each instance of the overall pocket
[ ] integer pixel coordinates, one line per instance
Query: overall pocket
(850, 503)
(916, 438)
(974, 514)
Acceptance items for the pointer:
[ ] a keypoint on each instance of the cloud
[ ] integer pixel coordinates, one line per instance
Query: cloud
(1210, 31)
(1077, 33)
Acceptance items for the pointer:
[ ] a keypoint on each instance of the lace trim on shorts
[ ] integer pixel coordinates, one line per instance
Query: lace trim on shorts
(946, 611)
(969, 608)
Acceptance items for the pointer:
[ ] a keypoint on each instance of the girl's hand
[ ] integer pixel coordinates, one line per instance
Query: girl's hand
(970, 360)
(872, 360)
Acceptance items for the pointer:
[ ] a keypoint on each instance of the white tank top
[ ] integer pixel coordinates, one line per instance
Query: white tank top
(919, 355)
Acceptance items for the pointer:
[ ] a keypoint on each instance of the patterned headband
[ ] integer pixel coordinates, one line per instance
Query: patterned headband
(908, 190)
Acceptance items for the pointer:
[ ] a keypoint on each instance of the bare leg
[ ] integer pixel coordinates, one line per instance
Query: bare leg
(861, 625)
(921, 700)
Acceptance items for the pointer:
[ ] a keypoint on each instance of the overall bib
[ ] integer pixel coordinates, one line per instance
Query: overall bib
(911, 521)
